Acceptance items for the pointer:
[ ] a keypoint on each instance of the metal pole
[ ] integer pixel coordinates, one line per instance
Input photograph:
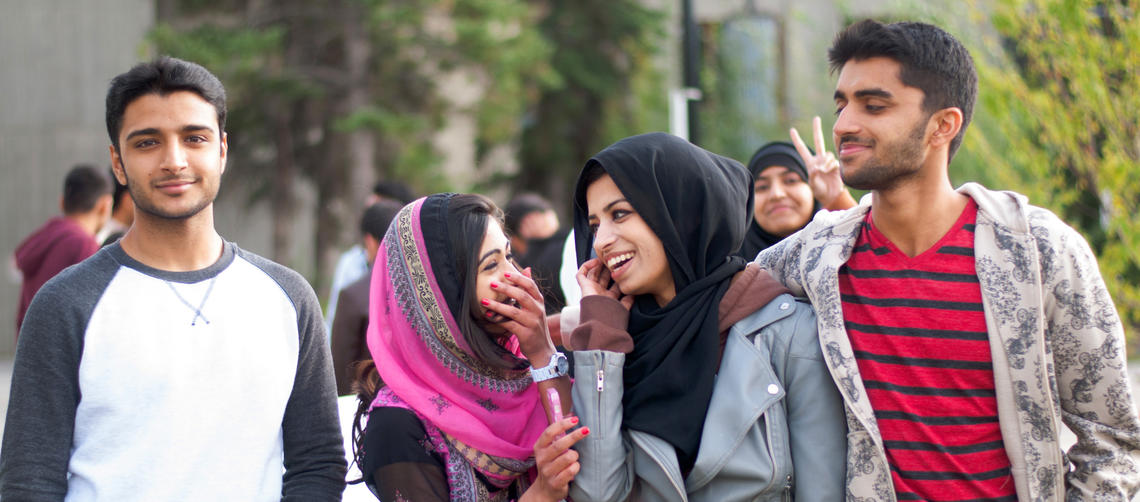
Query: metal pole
(690, 41)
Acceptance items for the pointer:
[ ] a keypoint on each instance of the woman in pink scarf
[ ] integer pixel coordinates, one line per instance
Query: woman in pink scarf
(454, 329)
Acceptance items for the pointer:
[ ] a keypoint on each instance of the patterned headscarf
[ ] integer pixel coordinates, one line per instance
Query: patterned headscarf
(477, 416)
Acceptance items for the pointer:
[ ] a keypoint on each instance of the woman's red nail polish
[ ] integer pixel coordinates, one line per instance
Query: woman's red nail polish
(585, 431)
(573, 420)
(489, 313)
(494, 285)
(485, 301)
(506, 274)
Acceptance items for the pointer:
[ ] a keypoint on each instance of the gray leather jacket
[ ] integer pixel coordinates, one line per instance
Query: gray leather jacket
(775, 428)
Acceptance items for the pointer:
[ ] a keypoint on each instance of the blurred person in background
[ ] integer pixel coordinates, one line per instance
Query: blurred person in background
(67, 239)
(536, 241)
(353, 263)
(351, 324)
(122, 213)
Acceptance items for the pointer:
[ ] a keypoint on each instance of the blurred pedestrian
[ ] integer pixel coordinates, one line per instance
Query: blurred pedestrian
(351, 326)
(354, 263)
(536, 241)
(122, 213)
(64, 240)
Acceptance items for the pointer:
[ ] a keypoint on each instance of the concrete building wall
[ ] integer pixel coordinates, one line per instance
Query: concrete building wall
(57, 57)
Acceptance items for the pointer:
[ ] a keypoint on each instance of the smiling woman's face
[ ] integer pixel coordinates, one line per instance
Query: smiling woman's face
(495, 259)
(783, 201)
(626, 245)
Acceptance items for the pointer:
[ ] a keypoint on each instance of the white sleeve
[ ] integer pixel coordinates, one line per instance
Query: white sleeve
(570, 288)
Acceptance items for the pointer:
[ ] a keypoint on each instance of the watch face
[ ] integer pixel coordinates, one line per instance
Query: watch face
(563, 364)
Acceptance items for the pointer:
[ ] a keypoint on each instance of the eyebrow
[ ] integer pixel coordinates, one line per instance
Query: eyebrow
(185, 129)
(607, 208)
(865, 93)
(487, 255)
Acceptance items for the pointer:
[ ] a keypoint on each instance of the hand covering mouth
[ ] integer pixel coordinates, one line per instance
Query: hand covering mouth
(497, 317)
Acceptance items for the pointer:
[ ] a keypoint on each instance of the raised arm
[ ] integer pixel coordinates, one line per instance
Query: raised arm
(601, 344)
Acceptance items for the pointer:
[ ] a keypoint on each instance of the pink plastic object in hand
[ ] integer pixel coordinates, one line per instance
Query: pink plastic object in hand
(555, 405)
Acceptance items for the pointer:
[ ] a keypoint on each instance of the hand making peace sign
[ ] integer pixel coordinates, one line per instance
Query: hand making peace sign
(823, 170)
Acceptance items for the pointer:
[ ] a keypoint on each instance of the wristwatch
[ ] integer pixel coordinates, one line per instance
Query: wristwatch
(557, 367)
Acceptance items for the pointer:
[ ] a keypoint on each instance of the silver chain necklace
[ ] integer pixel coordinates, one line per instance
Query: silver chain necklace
(197, 311)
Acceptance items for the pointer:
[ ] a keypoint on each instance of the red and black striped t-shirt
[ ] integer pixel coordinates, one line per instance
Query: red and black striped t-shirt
(919, 335)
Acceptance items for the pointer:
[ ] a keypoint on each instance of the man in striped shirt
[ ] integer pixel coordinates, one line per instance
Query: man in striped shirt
(961, 326)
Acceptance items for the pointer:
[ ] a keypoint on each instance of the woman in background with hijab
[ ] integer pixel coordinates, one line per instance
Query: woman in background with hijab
(699, 377)
(789, 191)
(453, 402)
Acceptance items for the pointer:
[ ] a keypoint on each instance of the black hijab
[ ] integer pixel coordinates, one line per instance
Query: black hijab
(697, 203)
(776, 153)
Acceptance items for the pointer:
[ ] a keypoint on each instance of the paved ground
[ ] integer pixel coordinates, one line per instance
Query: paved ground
(347, 407)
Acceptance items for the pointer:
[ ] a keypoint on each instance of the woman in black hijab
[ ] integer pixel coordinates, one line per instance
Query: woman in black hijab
(786, 194)
(692, 367)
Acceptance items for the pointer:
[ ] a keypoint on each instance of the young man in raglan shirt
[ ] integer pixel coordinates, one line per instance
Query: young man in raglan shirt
(172, 365)
(962, 327)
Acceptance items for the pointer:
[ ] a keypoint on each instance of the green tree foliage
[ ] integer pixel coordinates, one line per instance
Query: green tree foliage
(348, 91)
(1059, 119)
(608, 88)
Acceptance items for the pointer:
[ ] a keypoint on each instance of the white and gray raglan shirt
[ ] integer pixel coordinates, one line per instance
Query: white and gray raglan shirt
(132, 383)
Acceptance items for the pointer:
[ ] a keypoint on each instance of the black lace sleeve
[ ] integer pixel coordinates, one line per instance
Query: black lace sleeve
(398, 464)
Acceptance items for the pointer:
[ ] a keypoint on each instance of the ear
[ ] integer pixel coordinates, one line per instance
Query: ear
(946, 122)
(117, 165)
(104, 206)
(371, 247)
(225, 151)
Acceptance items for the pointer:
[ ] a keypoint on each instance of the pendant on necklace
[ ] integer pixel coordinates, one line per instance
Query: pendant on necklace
(198, 310)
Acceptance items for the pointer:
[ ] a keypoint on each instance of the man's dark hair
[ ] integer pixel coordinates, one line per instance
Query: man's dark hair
(932, 61)
(522, 205)
(394, 190)
(82, 188)
(377, 218)
(162, 76)
(117, 190)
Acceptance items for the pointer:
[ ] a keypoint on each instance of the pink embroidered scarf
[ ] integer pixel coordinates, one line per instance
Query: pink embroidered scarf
(422, 356)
